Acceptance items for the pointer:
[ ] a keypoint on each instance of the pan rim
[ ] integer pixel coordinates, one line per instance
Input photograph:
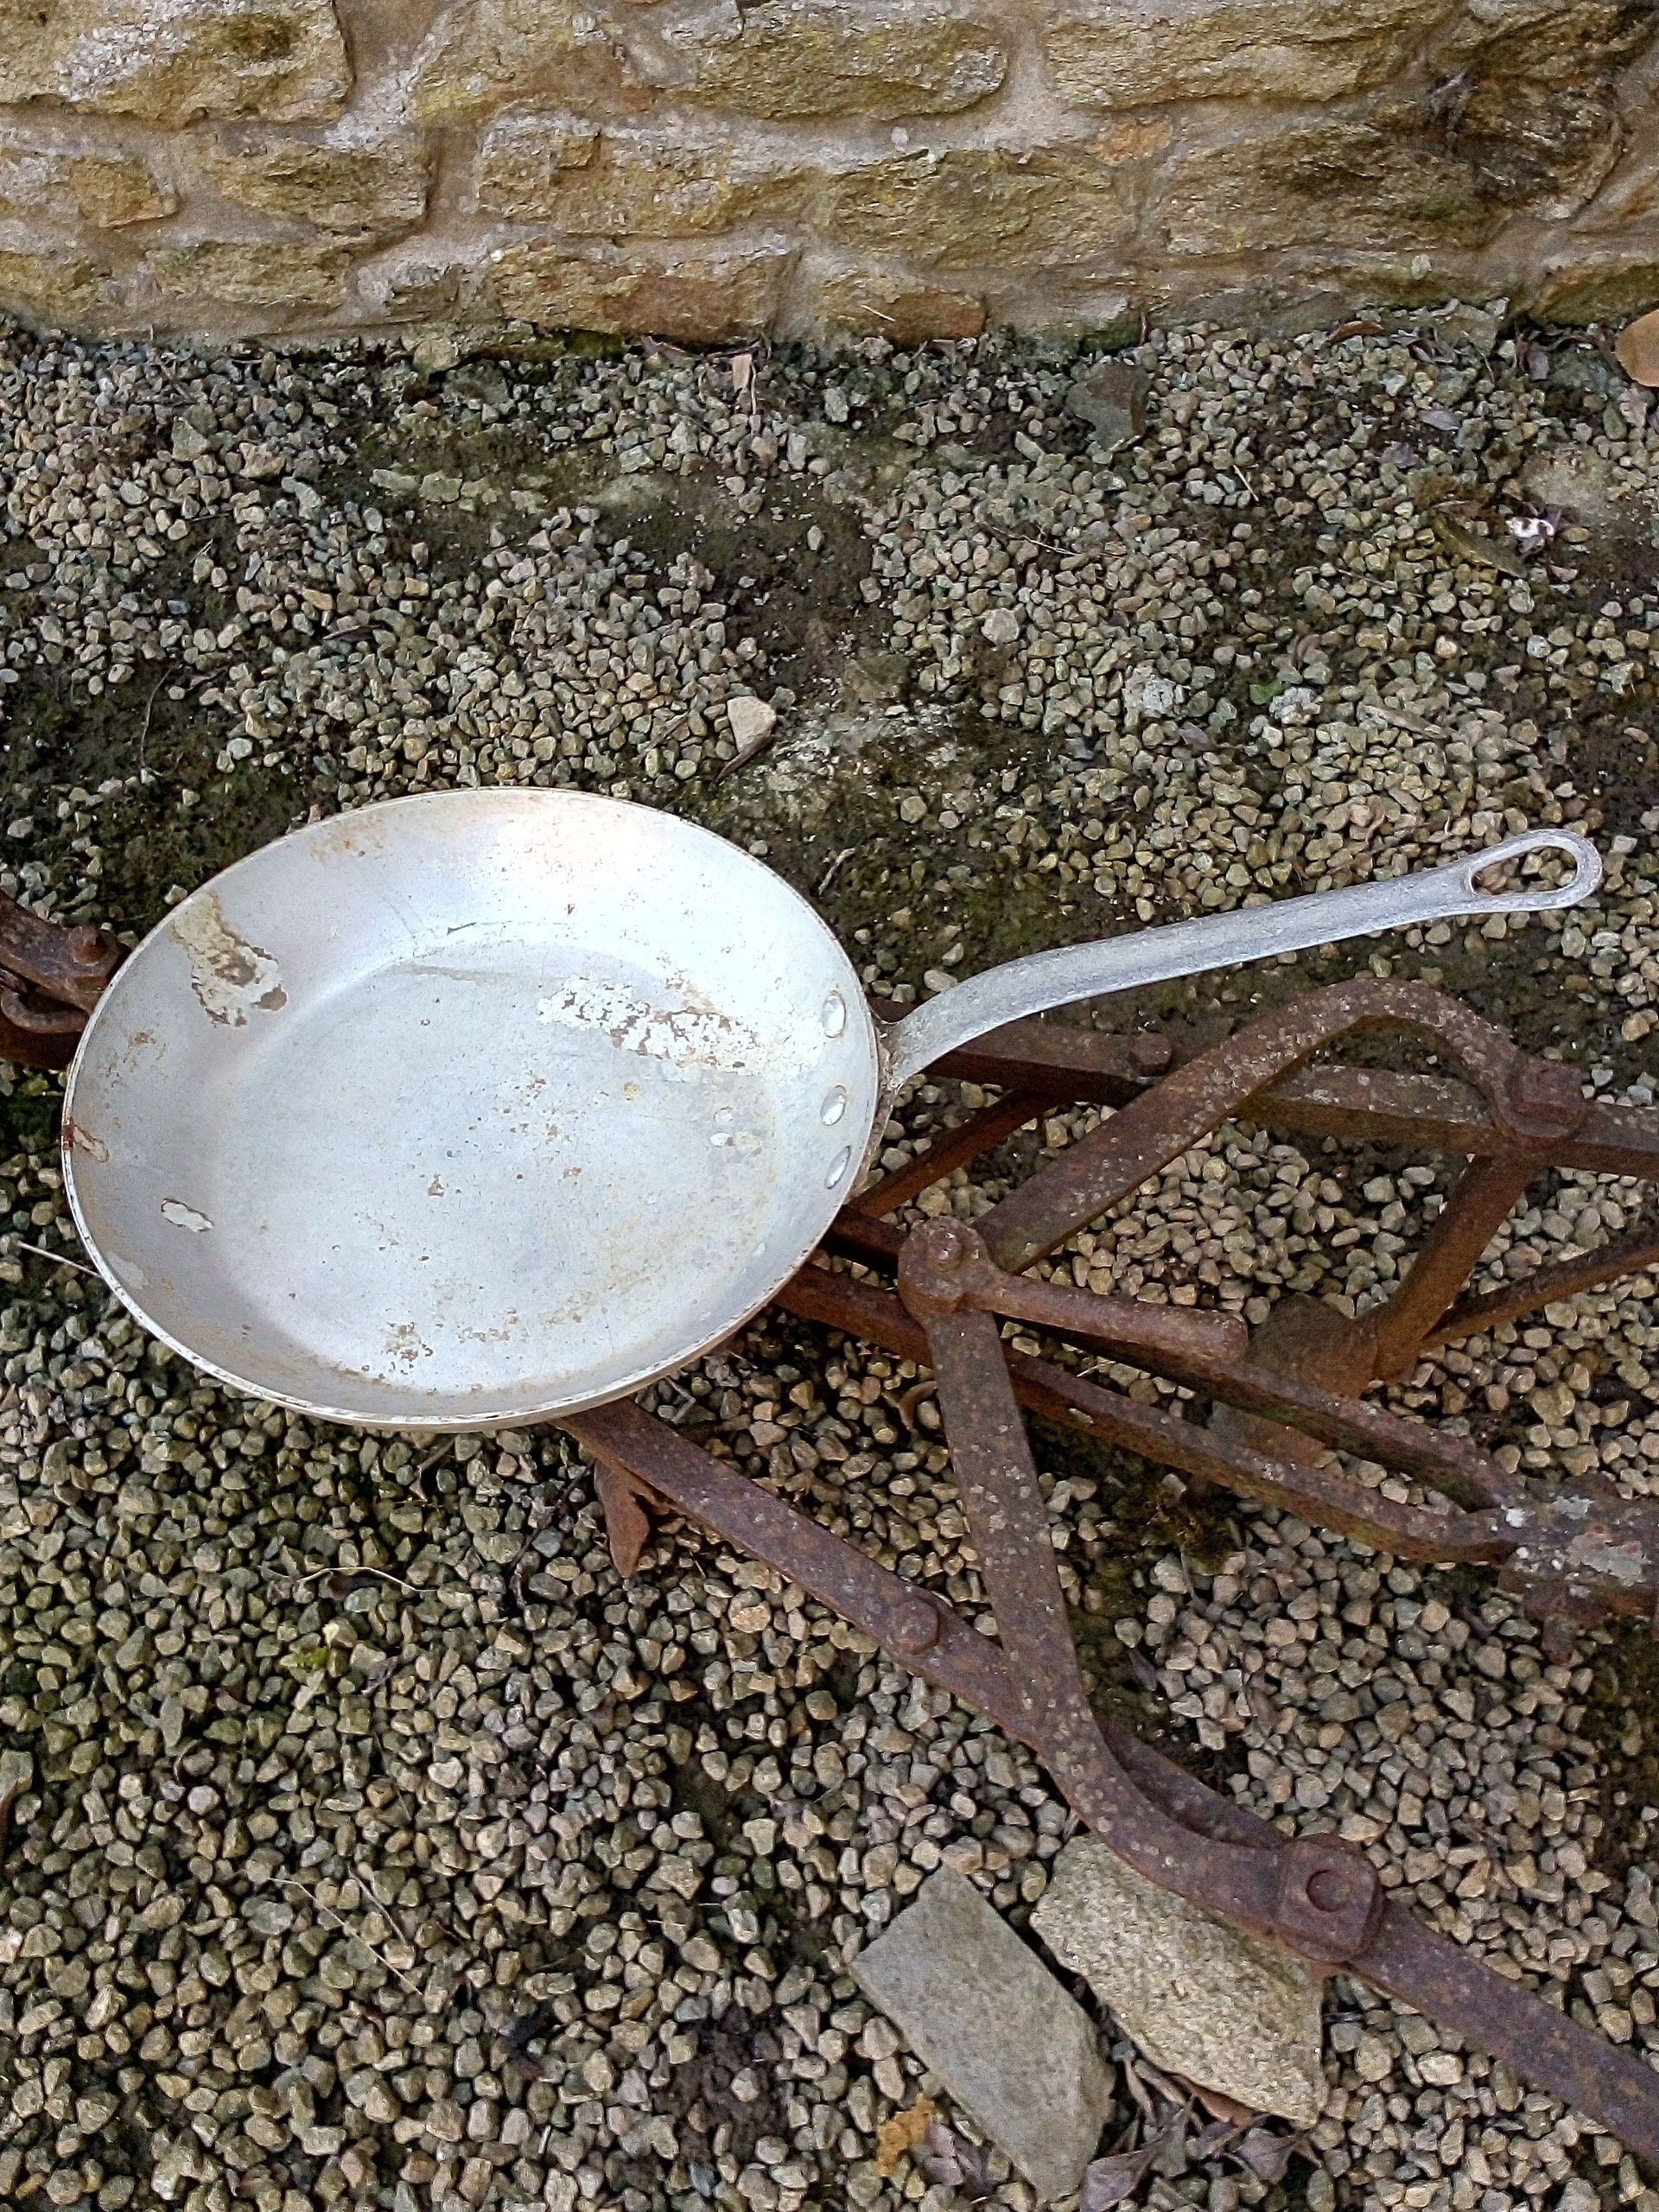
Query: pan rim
(497, 1415)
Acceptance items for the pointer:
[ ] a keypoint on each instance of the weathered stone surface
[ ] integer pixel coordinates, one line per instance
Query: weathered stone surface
(1631, 196)
(1607, 284)
(975, 208)
(369, 191)
(1104, 54)
(48, 288)
(881, 58)
(1563, 41)
(1010, 2044)
(1329, 184)
(1637, 348)
(486, 52)
(628, 183)
(876, 303)
(1200, 1999)
(174, 62)
(102, 190)
(695, 298)
(1531, 142)
(257, 274)
(1529, 94)
(113, 191)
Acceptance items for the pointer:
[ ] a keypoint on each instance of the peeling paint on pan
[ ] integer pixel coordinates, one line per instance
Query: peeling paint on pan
(184, 1217)
(684, 1037)
(230, 977)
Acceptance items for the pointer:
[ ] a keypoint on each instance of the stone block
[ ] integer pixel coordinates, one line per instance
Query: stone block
(257, 273)
(60, 288)
(112, 191)
(1102, 55)
(1201, 2000)
(1559, 41)
(1598, 281)
(879, 59)
(905, 309)
(1336, 185)
(698, 298)
(284, 60)
(975, 207)
(374, 190)
(1536, 143)
(1011, 2045)
(485, 53)
(107, 190)
(623, 183)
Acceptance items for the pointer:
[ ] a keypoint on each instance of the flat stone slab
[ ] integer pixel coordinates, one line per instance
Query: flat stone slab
(981, 2010)
(1226, 2010)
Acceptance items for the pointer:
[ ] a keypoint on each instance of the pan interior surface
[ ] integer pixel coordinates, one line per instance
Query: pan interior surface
(469, 1107)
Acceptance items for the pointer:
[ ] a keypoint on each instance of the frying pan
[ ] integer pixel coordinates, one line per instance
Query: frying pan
(470, 1110)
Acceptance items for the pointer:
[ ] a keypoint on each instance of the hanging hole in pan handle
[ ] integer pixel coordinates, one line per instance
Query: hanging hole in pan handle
(1536, 899)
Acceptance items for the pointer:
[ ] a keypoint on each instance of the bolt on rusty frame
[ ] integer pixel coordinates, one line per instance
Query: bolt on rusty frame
(50, 979)
(1282, 1400)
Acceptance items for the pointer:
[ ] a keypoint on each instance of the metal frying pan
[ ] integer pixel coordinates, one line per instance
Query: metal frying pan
(470, 1110)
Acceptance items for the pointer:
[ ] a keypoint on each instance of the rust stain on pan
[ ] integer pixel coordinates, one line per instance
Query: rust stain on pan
(230, 977)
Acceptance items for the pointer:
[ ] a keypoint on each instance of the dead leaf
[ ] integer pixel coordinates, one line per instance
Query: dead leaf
(1169, 2152)
(1218, 2104)
(1132, 2081)
(950, 2159)
(1266, 2154)
(742, 370)
(1215, 2139)
(1360, 327)
(1471, 545)
(937, 2156)
(1418, 729)
(1633, 405)
(1440, 418)
(1110, 2180)
(1637, 349)
(902, 2133)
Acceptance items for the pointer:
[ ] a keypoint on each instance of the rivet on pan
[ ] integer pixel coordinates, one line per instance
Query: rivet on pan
(838, 1168)
(834, 1014)
(834, 1107)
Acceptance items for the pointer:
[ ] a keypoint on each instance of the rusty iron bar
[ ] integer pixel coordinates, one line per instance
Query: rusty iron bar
(1529, 1101)
(1480, 1202)
(1321, 1900)
(1403, 1959)
(1375, 1106)
(1575, 1552)
(1473, 1316)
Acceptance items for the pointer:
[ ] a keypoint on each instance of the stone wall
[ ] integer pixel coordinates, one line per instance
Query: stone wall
(706, 169)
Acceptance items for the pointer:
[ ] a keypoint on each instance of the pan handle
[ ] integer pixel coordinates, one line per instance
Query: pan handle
(1122, 964)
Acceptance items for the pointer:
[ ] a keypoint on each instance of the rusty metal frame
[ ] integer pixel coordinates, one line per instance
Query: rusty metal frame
(1283, 1403)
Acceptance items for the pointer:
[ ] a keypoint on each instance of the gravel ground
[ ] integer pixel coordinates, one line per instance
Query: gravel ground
(372, 1843)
